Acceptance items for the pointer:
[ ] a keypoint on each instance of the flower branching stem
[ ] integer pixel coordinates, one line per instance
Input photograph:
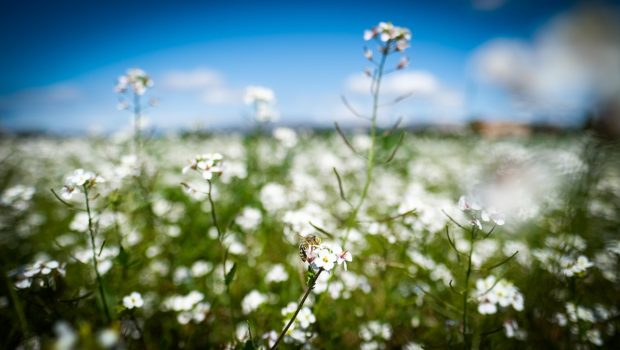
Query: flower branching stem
(91, 231)
(220, 237)
(299, 306)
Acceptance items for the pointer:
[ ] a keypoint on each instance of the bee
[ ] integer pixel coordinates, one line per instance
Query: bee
(307, 244)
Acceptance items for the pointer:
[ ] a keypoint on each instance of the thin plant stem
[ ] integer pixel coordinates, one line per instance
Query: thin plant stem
(136, 124)
(467, 344)
(91, 231)
(17, 305)
(220, 237)
(299, 306)
(370, 162)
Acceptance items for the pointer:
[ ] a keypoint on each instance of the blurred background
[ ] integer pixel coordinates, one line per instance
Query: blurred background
(501, 66)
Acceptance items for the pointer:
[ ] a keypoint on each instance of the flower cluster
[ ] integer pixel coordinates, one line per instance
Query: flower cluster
(18, 197)
(78, 180)
(477, 213)
(136, 79)
(490, 293)
(206, 164)
(386, 31)
(391, 39)
(373, 332)
(252, 301)
(571, 267)
(42, 273)
(325, 256)
(263, 99)
(189, 307)
(133, 301)
(299, 332)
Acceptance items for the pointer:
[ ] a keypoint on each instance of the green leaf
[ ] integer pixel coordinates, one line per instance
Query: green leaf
(231, 274)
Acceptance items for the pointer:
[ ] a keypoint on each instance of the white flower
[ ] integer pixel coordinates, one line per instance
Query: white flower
(133, 300)
(201, 268)
(135, 78)
(276, 274)
(386, 31)
(206, 164)
(305, 317)
(342, 256)
(263, 99)
(577, 267)
(467, 204)
(252, 301)
(249, 219)
(286, 136)
(66, 337)
(255, 94)
(491, 214)
(17, 196)
(487, 308)
(325, 259)
(77, 180)
(491, 293)
(108, 338)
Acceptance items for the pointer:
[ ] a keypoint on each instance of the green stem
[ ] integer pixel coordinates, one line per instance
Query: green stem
(17, 305)
(466, 340)
(299, 306)
(136, 124)
(91, 231)
(370, 163)
(220, 237)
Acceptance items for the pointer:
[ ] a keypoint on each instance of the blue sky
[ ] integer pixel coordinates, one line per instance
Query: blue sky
(60, 59)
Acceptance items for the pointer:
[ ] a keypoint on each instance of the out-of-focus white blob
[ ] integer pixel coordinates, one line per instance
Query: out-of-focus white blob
(564, 72)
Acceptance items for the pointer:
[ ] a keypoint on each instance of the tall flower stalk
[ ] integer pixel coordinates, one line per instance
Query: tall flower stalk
(83, 182)
(134, 82)
(91, 231)
(470, 332)
(209, 165)
(390, 39)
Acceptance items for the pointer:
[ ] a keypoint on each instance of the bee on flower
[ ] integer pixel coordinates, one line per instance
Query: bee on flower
(322, 256)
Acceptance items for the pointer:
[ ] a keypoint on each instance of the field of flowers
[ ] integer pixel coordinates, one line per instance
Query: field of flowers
(369, 239)
(413, 271)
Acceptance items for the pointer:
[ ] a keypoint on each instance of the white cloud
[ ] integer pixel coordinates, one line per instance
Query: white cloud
(210, 86)
(564, 72)
(400, 83)
(221, 95)
(429, 100)
(195, 79)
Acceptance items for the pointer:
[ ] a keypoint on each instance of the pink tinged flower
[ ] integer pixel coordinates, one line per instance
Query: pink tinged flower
(342, 257)
(369, 34)
(368, 54)
(466, 204)
(402, 45)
